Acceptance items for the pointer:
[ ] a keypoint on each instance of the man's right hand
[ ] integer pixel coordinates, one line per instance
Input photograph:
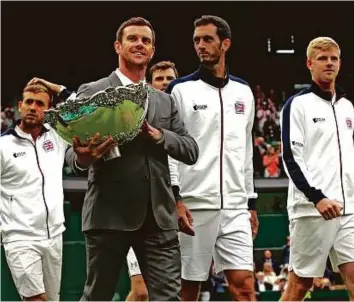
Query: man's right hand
(329, 209)
(86, 155)
(185, 219)
(51, 86)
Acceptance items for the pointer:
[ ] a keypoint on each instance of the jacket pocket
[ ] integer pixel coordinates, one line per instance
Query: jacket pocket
(28, 211)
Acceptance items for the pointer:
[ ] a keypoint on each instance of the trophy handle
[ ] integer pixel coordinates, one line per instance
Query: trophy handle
(113, 153)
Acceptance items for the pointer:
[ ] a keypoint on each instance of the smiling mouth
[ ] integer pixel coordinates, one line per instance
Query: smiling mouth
(138, 53)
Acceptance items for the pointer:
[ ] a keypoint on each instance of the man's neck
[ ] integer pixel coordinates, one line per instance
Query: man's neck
(34, 131)
(133, 72)
(326, 86)
(218, 70)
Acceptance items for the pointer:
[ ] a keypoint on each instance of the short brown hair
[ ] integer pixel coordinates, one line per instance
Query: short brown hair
(321, 43)
(137, 21)
(223, 29)
(163, 65)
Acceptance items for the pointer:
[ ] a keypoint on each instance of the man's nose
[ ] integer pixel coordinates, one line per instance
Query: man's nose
(33, 107)
(139, 43)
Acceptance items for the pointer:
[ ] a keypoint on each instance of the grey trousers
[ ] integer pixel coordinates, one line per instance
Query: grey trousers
(158, 254)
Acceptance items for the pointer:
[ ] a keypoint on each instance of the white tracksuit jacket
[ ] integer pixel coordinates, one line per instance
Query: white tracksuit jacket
(219, 115)
(318, 150)
(32, 200)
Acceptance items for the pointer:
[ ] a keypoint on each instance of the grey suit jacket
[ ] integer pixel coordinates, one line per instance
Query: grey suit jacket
(120, 189)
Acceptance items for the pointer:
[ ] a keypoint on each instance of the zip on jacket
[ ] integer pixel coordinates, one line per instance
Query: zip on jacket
(219, 114)
(32, 185)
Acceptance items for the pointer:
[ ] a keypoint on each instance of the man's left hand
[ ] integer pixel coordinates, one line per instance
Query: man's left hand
(254, 223)
(155, 134)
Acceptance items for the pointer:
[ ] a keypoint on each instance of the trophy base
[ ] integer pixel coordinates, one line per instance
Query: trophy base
(112, 154)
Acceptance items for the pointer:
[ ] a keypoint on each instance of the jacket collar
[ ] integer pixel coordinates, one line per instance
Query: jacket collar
(325, 94)
(207, 76)
(12, 130)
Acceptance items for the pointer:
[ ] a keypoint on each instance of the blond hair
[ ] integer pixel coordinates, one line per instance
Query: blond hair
(37, 88)
(321, 43)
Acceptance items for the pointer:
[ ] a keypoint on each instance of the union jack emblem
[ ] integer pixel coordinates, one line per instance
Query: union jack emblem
(240, 107)
(48, 146)
(349, 123)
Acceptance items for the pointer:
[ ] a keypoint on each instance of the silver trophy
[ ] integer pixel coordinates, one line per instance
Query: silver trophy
(118, 112)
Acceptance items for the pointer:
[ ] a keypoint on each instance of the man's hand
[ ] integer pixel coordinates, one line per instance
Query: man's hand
(329, 209)
(254, 223)
(185, 219)
(152, 132)
(88, 154)
(51, 86)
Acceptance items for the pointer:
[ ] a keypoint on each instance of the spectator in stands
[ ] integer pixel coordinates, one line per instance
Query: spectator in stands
(286, 250)
(271, 163)
(273, 97)
(258, 93)
(270, 129)
(269, 274)
(3, 125)
(9, 117)
(268, 257)
(262, 284)
(162, 73)
(259, 284)
(261, 113)
(258, 152)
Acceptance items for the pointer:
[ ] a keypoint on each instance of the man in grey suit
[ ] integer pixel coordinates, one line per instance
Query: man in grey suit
(129, 200)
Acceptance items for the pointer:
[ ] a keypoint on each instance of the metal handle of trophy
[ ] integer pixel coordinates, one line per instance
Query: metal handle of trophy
(112, 154)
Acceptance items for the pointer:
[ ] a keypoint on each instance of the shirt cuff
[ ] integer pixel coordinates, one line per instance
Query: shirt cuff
(62, 88)
(78, 167)
(162, 139)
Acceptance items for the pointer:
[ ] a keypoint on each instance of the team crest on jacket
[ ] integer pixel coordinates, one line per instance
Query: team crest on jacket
(48, 146)
(240, 107)
(349, 123)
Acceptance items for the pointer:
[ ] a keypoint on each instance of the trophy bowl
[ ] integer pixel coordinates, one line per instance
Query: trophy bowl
(118, 112)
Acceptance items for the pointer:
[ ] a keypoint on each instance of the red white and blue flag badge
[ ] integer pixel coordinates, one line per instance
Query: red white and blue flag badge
(349, 123)
(240, 107)
(48, 146)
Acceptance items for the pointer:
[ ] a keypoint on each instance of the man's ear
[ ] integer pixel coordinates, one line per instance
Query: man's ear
(225, 45)
(19, 105)
(309, 64)
(117, 47)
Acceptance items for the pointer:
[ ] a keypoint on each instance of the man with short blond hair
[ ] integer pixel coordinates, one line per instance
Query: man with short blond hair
(317, 138)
